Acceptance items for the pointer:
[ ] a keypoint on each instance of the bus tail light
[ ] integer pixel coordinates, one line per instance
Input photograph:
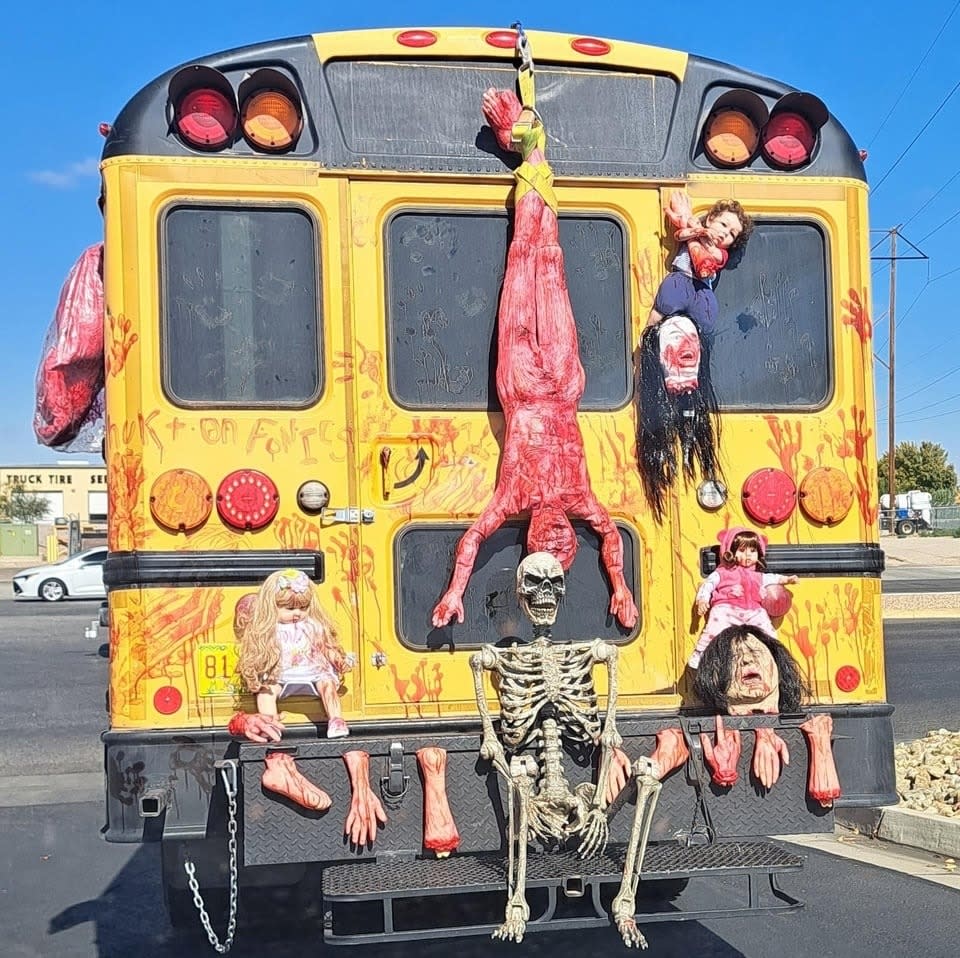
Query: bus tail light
(247, 499)
(731, 134)
(769, 496)
(271, 116)
(790, 136)
(204, 108)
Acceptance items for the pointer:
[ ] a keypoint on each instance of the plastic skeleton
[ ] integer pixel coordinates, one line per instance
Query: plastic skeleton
(547, 698)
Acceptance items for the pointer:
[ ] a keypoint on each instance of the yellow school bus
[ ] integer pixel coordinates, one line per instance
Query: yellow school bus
(305, 242)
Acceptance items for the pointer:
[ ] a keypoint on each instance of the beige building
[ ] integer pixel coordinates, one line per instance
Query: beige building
(71, 490)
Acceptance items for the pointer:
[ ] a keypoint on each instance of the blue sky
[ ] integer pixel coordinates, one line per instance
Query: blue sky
(886, 72)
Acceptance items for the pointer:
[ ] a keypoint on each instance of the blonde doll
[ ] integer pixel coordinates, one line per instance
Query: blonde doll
(290, 642)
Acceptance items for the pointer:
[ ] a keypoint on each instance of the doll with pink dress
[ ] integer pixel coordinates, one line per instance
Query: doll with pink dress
(738, 591)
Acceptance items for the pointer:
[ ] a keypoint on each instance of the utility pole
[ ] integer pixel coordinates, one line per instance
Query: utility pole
(891, 419)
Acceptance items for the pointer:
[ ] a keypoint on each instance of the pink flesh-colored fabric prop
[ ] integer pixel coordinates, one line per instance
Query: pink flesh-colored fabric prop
(71, 374)
(543, 467)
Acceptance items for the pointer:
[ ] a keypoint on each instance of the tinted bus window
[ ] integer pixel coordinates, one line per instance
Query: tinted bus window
(771, 349)
(241, 312)
(491, 611)
(444, 274)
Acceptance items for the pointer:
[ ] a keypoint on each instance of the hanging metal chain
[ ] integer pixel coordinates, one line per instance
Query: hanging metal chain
(228, 772)
(525, 69)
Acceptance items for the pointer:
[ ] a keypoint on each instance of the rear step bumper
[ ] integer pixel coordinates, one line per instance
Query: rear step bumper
(563, 890)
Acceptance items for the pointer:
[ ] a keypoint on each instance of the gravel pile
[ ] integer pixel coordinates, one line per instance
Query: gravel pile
(928, 773)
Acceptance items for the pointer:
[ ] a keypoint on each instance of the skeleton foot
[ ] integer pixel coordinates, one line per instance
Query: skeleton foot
(630, 933)
(515, 924)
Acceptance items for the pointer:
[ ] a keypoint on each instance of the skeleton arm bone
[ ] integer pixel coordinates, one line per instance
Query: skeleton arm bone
(490, 747)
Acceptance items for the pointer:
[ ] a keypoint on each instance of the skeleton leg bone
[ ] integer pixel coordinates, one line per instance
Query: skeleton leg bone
(523, 772)
(625, 904)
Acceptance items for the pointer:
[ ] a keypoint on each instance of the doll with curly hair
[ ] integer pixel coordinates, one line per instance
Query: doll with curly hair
(290, 643)
(288, 646)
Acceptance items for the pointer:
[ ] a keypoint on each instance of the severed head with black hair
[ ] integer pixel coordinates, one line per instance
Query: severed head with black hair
(745, 670)
(677, 431)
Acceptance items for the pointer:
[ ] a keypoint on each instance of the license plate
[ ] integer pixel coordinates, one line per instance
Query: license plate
(217, 669)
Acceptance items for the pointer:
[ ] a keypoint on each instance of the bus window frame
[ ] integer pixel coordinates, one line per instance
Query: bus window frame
(830, 339)
(260, 204)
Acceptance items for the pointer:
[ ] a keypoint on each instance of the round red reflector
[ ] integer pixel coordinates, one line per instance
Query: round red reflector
(769, 495)
(788, 140)
(247, 499)
(847, 678)
(417, 38)
(504, 39)
(590, 46)
(167, 700)
(206, 118)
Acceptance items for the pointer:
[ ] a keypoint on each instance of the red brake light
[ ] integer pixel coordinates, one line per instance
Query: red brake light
(206, 118)
(247, 499)
(788, 140)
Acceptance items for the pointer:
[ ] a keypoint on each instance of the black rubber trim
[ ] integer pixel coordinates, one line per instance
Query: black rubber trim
(141, 570)
(843, 559)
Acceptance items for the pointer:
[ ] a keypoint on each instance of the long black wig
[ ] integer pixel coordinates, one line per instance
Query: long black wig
(669, 426)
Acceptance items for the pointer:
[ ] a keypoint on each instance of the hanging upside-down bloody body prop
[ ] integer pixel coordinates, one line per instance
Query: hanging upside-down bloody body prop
(540, 380)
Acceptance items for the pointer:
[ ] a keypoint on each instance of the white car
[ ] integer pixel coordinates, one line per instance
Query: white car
(78, 577)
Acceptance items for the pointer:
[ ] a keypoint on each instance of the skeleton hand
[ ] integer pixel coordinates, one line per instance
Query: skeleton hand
(722, 758)
(449, 607)
(610, 737)
(594, 835)
(365, 808)
(768, 753)
(256, 727)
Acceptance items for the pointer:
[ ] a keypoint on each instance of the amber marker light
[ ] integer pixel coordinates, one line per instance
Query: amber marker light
(270, 120)
(730, 138)
(181, 500)
(247, 499)
(826, 495)
(167, 700)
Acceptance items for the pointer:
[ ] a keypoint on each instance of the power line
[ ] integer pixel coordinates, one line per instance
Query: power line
(920, 133)
(916, 69)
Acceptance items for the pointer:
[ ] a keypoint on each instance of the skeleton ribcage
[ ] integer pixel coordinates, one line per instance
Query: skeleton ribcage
(542, 674)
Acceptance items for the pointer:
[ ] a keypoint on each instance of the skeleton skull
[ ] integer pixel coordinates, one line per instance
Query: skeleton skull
(540, 587)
